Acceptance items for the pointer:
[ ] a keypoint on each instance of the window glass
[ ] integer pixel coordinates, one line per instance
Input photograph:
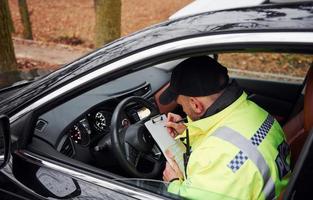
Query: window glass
(280, 66)
(160, 187)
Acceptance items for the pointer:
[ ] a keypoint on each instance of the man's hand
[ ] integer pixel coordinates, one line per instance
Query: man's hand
(172, 170)
(174, 128)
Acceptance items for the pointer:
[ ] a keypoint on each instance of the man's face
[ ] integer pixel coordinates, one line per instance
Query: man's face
(185, 102)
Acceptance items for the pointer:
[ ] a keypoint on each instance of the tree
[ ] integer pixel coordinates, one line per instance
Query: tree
(11, 25)
(27, 32)
(108, 21)
(7, 56)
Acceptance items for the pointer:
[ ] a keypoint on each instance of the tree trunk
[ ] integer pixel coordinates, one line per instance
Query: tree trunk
(27, 33)
(7, 56)
(108, 21)
(11, 25)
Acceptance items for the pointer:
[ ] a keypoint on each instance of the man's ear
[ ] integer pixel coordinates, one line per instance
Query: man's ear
(196, 105)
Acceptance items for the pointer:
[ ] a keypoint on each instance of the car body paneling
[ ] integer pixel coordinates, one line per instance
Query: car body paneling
(45, 179)
(265, 18)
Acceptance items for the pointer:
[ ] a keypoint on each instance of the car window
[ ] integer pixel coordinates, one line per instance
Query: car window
(269, 66)
(160, 187)
(73, 127)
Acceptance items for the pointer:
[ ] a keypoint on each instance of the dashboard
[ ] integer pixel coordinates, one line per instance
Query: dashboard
(75, 127)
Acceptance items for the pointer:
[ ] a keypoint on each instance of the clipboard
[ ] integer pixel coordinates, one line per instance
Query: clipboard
(156, 126)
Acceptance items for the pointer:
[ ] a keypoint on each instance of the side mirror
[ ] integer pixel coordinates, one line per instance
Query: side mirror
(5, 140)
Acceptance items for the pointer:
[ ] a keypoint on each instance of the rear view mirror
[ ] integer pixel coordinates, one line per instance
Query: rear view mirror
(5, 140)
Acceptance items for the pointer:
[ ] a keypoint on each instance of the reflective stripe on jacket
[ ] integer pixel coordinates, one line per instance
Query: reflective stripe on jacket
(238, 153)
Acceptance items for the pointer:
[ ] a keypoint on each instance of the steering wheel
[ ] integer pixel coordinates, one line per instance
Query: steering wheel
(134, 143)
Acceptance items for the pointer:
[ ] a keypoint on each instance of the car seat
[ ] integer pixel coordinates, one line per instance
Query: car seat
(297, 129)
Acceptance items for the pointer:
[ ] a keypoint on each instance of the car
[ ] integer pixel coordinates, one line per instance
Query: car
(77, 133)
(200, 6)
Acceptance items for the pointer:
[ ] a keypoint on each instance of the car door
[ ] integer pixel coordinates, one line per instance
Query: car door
(6, 187)
(39, 169)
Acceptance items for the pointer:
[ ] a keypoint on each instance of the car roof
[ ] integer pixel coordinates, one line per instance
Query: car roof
(289, 17)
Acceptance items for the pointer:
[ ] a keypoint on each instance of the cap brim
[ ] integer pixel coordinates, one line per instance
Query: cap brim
(167, 96)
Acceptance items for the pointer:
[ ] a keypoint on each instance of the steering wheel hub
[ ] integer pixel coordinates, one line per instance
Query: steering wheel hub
(137, 136)
(135, 143)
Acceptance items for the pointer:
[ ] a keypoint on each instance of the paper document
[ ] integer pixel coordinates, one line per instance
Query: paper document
(157, 128)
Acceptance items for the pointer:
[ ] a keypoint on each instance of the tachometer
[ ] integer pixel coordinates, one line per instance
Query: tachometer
(80, 133)
(75, 134)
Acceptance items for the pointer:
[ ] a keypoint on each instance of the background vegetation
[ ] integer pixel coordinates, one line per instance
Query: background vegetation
(73, 22)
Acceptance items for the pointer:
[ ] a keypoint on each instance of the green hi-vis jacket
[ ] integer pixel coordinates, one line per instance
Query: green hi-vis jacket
(237, 153)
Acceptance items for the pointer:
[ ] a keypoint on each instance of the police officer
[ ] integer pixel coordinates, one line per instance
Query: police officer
(237, 150)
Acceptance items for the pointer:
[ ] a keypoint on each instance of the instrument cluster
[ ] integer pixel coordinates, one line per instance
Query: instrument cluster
(94, 125)
(91, 127)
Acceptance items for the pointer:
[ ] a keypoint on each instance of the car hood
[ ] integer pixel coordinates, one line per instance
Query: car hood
(291, 17)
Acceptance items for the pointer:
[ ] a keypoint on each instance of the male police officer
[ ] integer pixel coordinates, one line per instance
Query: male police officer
(238, 150)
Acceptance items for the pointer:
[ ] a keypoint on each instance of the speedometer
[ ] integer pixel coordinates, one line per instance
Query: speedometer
(102, 120)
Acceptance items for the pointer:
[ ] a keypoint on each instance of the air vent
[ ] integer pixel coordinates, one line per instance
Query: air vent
(41, 125)
(67, 148)
(144, 91)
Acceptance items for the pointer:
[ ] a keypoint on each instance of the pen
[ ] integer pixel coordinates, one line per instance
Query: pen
(179, 121)
(182, 120)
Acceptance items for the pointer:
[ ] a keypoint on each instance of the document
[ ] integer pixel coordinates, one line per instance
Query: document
(156, 126)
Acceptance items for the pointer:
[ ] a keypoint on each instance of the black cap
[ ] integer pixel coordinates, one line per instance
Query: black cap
(195, 77)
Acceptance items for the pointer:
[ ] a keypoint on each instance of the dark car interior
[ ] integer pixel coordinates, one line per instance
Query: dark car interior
(87, 137)
(89, 130)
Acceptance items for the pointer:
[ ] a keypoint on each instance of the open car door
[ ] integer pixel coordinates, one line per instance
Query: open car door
(4, 140)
